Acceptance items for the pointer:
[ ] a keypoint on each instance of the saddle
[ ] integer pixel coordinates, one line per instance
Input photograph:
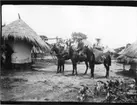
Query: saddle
(99, 56)
(81, 54)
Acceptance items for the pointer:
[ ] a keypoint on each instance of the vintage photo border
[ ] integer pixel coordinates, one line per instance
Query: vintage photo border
(128, 3)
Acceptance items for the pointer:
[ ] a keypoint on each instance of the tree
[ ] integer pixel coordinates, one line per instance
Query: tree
(60, 41)
(78, 35)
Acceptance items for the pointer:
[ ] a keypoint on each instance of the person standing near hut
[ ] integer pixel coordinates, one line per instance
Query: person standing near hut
(8, 53)
(2, 55)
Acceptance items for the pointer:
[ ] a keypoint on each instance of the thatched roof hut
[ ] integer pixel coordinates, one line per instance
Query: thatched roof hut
(21, 39)
(131, 51)
(129, 55)
(19, 30)
(121, 52)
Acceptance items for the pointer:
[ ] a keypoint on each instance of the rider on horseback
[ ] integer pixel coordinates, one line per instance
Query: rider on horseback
(80, 46)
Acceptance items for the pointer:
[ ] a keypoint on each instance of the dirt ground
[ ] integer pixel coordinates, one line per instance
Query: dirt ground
(42, 83)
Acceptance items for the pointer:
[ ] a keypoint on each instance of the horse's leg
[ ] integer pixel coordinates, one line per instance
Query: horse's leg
(107, 73)
(73, 69)
(76, 69)
(63, 68)
(58, 68)
(86, 67)
(92, 65)
(107, 69)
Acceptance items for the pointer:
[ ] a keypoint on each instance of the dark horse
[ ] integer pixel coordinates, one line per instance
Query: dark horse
(88, 58)
(61, 56)
(106, 60)
(75, 58)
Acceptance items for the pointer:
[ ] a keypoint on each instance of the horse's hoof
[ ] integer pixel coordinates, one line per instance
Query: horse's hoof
(84, 73)
(92, 77)
(107, 76)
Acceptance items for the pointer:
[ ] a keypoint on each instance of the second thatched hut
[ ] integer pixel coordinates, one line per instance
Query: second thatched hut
(130, 56)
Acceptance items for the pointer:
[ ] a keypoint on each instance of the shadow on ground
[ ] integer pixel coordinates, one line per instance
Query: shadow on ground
(125, 73)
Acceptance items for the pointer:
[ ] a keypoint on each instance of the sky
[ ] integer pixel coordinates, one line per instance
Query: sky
(115, 25)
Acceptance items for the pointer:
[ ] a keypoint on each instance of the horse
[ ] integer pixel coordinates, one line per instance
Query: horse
(61, 56)
(88, 58)
(106, 60)
(75, 58)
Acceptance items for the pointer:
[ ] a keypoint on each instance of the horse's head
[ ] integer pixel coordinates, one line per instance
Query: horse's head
(54, 49)
(85, 49)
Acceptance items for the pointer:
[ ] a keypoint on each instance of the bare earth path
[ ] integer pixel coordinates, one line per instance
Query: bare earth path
(43, 84)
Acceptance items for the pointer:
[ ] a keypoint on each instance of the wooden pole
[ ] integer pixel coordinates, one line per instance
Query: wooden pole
(19, 16)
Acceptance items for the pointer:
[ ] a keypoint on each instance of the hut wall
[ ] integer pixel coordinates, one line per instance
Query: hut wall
(22, 52)
(133, 66)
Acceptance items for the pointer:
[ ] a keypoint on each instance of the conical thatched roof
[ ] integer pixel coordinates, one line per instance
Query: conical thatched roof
(20, 30)
(121, 52)
(129, 54)
(131, 51)
(38, 50)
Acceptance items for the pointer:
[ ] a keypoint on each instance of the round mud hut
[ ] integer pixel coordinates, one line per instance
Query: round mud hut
(129, 55)
(21, 39)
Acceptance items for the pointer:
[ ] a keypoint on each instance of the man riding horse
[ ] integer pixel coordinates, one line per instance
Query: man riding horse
(80, 47)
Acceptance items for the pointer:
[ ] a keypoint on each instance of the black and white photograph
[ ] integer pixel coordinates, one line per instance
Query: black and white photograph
(69, 53)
